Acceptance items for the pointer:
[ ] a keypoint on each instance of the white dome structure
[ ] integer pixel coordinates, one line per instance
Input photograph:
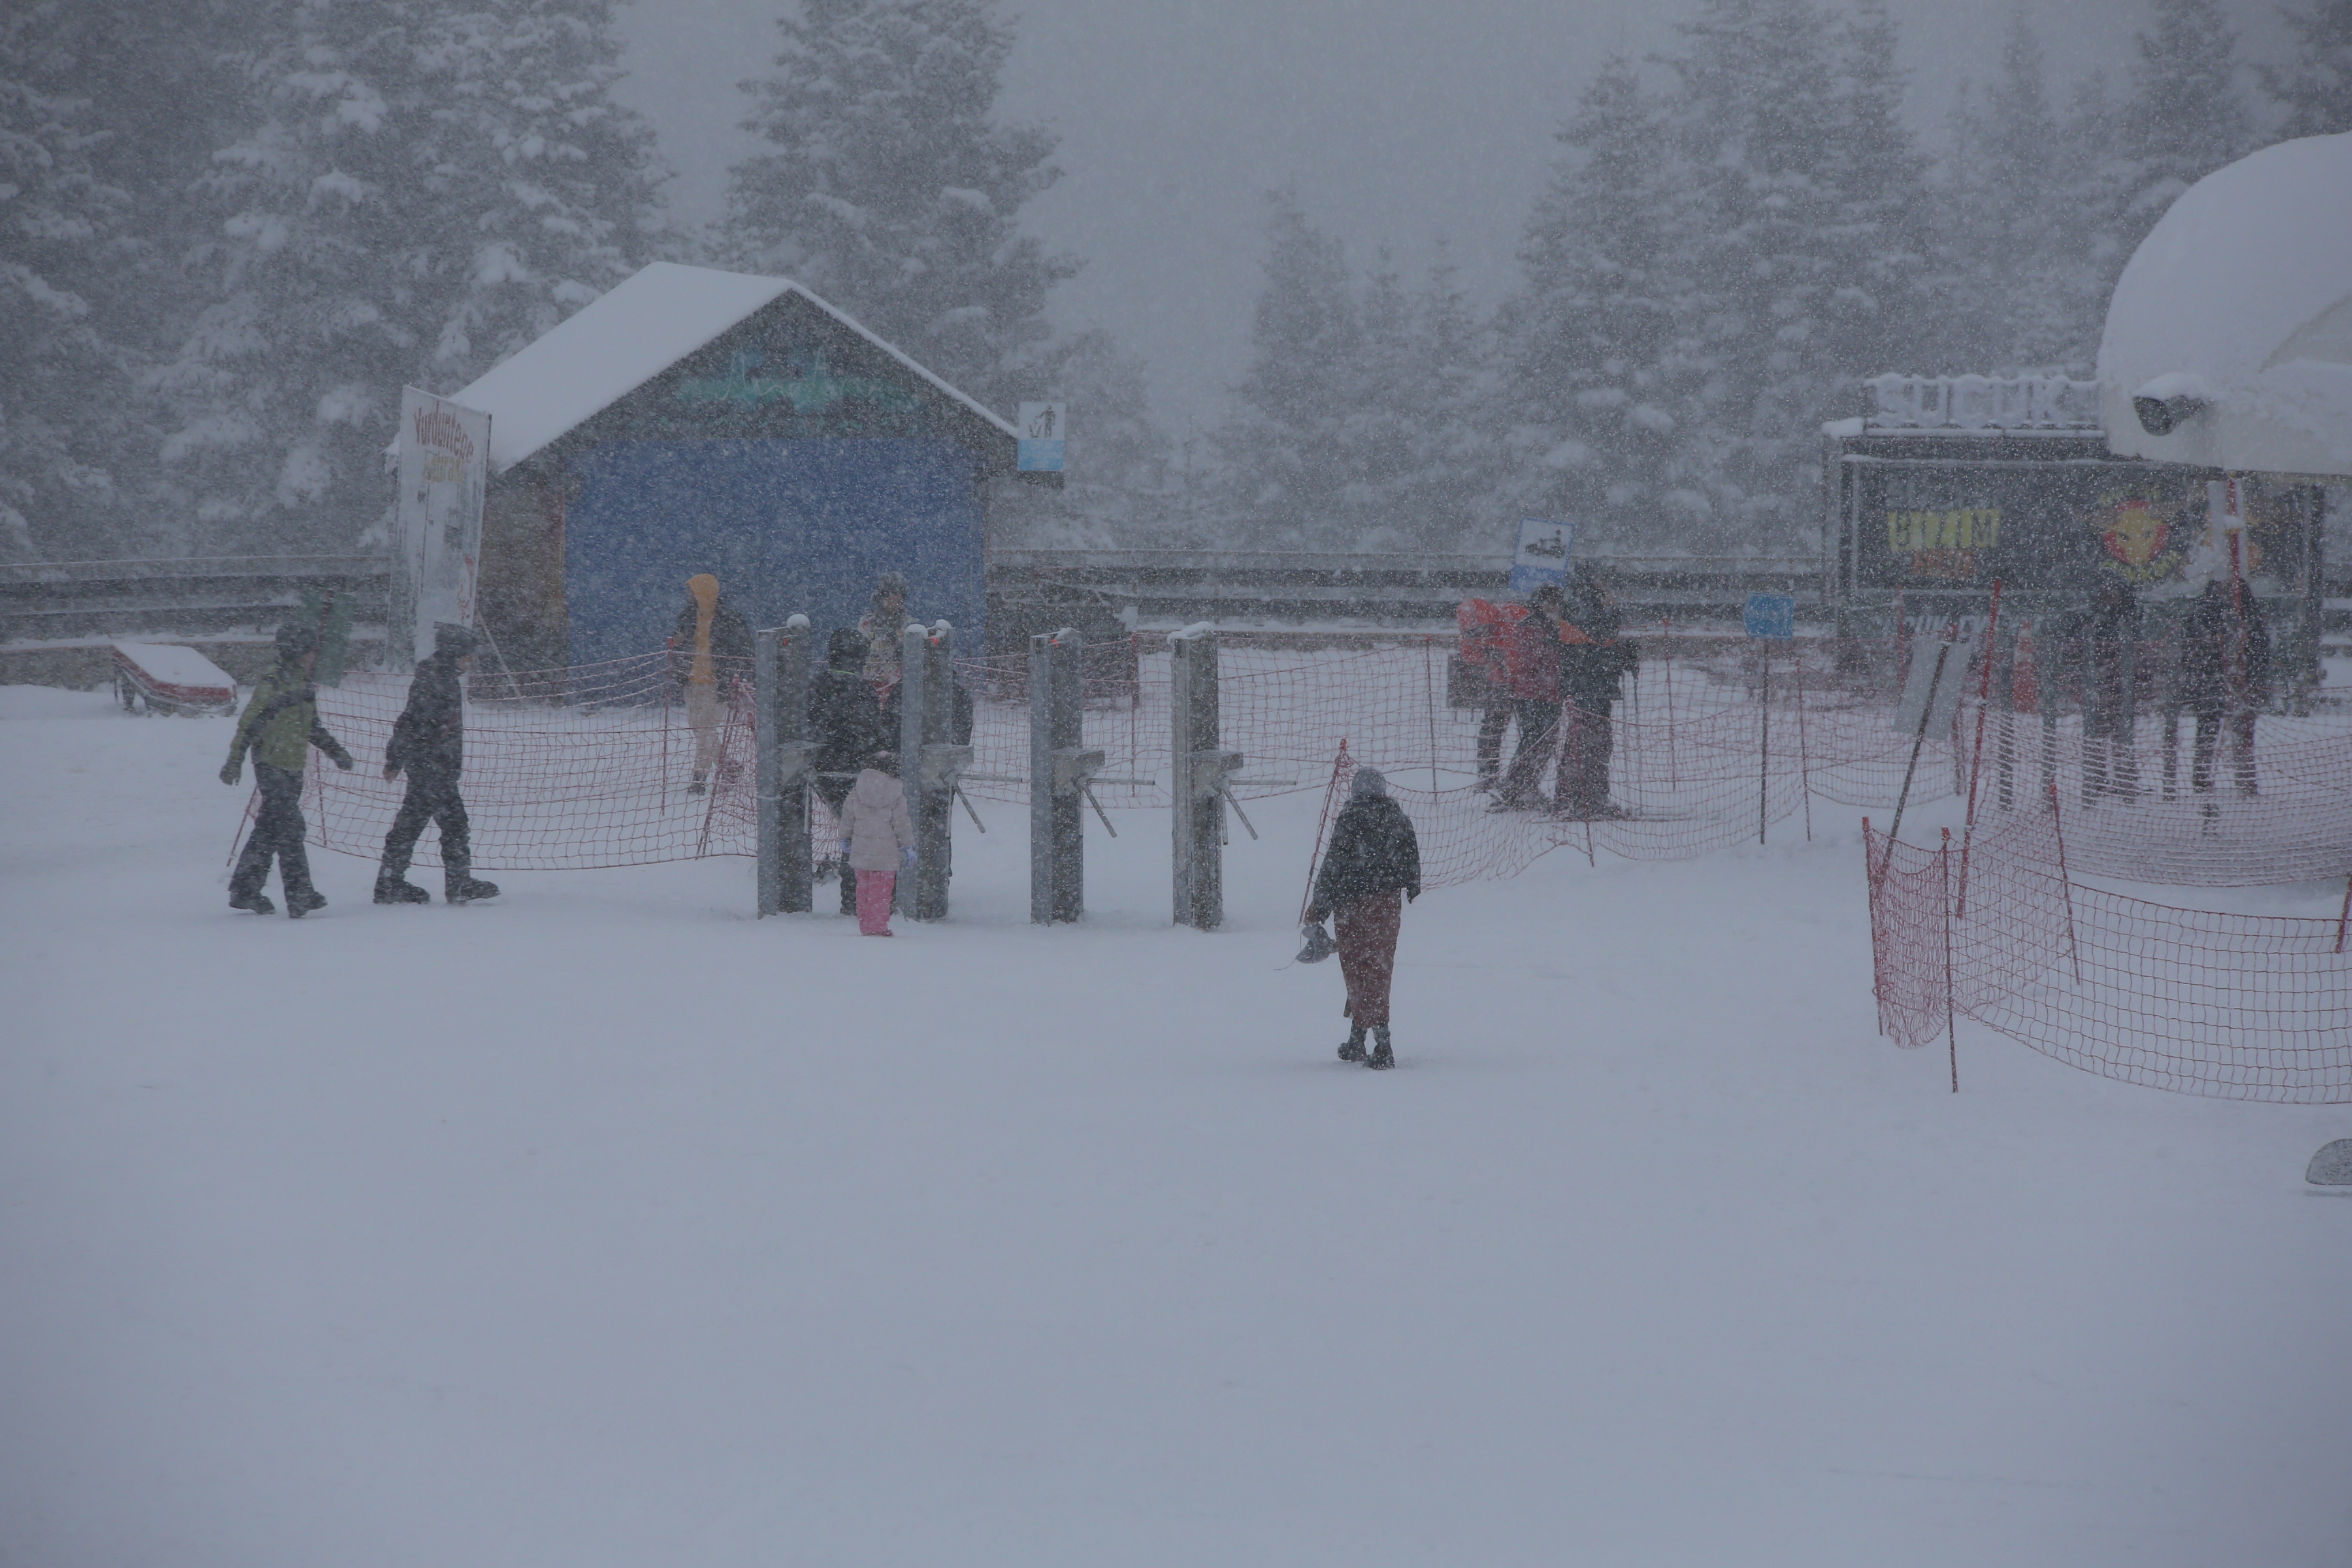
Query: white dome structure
(2229, 339)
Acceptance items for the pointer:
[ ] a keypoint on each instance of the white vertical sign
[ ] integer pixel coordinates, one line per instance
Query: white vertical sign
(445, 457)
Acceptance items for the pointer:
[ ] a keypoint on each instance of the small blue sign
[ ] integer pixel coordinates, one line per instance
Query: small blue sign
(1041, 457)
(1771, 616)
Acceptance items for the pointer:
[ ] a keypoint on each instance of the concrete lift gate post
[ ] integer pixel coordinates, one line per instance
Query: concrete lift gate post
(1059, 769)
(1200, 771)
(785, 875)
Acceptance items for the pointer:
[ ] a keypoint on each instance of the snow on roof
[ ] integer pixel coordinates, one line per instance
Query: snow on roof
(608, 348)
(2237, 307)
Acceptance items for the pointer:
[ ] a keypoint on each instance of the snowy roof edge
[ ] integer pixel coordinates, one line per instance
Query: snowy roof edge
(515, 439)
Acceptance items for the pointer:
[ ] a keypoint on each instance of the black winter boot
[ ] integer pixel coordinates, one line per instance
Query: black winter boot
(258, 902)
(1352, 1049)
(400, 890)
(1381, 1055)
(469, 890)
(302, 903)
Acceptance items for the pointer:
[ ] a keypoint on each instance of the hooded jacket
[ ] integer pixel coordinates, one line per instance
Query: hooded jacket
(845, 711)
(2206, 656)
(1373, 850)
(875, 821)
(429, 736)
(281, 723)
(712, 639)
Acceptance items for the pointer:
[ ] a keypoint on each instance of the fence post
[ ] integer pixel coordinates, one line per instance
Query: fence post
(1951, 1011)
(2066, 887)
(1058, 768)
(1764, 736)
(779, 736)
(1197, 768)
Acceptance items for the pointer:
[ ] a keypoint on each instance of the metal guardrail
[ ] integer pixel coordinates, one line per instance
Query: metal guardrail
(64, 603)
(1165, 588)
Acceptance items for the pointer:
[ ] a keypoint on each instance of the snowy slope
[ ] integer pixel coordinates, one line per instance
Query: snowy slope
(606, 1225)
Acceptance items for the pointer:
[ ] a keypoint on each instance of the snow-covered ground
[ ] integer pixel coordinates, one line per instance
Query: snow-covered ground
(606, 1226)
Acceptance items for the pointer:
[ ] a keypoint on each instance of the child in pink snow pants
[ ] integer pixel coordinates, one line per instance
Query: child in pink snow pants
(876, 838)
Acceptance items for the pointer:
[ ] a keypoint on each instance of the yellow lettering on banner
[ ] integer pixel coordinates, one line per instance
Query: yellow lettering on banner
(1969, 528)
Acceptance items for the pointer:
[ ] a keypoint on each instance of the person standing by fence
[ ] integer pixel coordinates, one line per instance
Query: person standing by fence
(2225, 678)
(279, 726)
(1369, 873)
(1595, 659)
(2109, 647)
(717, 649)
(1532, 660)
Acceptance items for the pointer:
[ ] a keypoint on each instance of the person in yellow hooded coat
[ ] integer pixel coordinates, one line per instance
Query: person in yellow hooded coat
(711, 653)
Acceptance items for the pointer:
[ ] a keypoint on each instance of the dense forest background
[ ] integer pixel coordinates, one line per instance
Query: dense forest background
(234, 228)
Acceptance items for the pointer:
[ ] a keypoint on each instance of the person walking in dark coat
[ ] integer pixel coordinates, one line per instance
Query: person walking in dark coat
(279, 726)
(846, 720)
(1372, 868)
(2225, 678)
(428, 745)
(1595, 656)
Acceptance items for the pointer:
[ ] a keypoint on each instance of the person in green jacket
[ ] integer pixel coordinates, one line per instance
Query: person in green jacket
(279, 726)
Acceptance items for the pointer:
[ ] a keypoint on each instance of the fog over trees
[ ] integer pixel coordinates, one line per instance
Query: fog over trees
(234, 228)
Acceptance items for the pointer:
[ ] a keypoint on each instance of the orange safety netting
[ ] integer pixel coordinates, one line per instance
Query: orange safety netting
(1712, 745)
(1993, 928)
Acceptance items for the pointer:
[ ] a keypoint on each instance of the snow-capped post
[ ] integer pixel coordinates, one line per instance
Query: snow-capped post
(779, 731)
(1059, 766)
(929, 757)
(1198, 771)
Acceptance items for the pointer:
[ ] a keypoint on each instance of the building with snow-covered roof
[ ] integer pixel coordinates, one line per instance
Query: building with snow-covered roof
(693, 420)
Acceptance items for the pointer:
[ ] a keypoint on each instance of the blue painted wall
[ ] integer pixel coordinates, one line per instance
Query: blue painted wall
(784, 525)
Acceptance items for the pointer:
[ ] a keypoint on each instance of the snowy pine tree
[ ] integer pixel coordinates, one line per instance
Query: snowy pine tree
(430, 184)
(62, 383)
(2018, 235)
(1599, 389)
(2317, 87)
(894, 192)
(1758, 108)
(1282, 448)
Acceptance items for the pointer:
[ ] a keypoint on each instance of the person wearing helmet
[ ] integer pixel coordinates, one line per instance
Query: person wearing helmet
(428, 744)
(279, 726)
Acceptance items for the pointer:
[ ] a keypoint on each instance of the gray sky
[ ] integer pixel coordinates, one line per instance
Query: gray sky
(1399, 121)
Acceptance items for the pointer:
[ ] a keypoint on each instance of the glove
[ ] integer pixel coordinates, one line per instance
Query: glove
(391, 770)
(344, 762)
(232, 771)
(907, 858)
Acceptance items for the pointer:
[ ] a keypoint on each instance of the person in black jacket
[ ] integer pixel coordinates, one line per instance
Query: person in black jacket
(845, 722)
(2108, 634)
(428, 745)
(1595, 656)
(1372, 868)
(2225, 674)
